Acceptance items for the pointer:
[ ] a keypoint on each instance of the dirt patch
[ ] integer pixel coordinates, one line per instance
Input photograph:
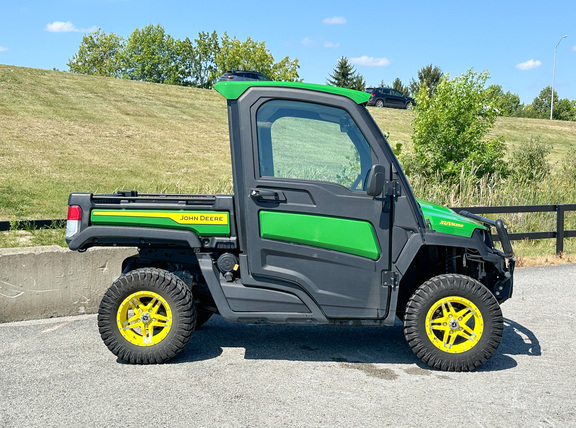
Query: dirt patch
(546, 260)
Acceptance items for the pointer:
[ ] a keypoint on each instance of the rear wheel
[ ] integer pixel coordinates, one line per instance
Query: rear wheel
(379, 103)
(147, 316)
(453, 323)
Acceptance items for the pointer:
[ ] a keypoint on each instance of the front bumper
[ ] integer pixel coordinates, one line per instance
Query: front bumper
(503, 288)
(500, 229)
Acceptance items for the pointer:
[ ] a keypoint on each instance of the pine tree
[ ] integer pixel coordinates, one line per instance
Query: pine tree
(345, 76)
(429, 76)
(399, 86)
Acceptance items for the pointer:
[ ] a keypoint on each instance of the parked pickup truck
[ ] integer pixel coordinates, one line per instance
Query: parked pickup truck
(322, 228)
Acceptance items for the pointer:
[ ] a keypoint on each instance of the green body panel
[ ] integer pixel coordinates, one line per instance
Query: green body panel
(348, 236)
(204, 223)
(444, 220)
(233, 90)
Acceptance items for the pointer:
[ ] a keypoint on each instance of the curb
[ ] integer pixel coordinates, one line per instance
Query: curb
(46, 282)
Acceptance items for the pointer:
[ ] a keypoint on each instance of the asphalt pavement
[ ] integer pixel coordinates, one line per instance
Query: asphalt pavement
(58, 373)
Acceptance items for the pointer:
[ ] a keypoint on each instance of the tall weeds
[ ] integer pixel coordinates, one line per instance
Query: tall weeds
(555, 188)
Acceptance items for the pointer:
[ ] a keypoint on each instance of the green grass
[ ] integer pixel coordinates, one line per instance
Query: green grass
(63, 133)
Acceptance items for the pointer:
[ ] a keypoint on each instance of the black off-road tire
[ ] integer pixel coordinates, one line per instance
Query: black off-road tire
(167, 296)
(467, 297)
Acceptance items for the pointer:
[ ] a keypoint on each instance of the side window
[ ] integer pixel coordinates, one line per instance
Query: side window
(307, 141)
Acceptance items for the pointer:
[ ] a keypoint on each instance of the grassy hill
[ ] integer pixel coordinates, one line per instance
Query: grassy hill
(62, 132)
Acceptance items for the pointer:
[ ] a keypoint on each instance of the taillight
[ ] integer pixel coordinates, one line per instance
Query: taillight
(73, 220)
(74, 213)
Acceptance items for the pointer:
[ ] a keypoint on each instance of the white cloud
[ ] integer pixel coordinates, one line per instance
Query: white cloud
(331, 45)
(309, 43)
(528, 65)
(67, 27)
(3, 49)
(338, 20)
(574, 48)
(370, 61)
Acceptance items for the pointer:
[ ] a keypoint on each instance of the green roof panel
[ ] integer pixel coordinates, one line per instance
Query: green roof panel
(233, 90)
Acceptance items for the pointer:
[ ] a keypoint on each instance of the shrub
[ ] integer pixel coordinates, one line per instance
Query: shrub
(528, 162)
(450, 130)
(568, 166)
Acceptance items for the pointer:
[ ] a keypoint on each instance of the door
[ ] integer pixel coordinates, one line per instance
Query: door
(399, 99)
(306, 219)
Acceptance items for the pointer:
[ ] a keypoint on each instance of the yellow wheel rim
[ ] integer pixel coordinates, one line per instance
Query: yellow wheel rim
(144, 318)
(454, 324)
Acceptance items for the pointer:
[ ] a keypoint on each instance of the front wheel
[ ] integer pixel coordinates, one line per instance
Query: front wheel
(453, 323)
(147, 316)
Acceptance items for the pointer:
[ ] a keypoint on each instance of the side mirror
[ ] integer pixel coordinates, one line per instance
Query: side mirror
(376, 180)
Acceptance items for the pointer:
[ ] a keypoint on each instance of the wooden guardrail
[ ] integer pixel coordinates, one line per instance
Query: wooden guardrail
(559, 234)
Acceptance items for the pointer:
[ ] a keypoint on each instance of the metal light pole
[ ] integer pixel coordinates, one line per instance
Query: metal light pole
(553, 76)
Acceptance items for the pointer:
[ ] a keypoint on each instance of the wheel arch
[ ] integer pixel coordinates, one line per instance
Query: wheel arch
(423, 260)
(184, 263)
(132, 236)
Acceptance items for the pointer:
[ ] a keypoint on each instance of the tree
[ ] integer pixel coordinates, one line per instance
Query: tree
(508, 104)
(286, 70)
(253, 55)
(185, 53)
(564, 109)
(429, 77)
(450, 130)
(345, 76)
(151, 55)
(98, 54)
(541, 104)
(399, 86)
(203, 63)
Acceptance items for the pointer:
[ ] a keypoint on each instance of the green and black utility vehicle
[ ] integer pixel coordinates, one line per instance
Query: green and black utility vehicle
(322, 228)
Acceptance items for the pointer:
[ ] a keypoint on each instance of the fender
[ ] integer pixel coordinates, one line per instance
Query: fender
(123, 236)
(441, 239)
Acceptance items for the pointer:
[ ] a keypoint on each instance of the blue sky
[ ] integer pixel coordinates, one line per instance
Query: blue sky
(513, 40)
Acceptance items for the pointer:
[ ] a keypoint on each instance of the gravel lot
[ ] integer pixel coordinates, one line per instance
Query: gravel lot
(58, 373)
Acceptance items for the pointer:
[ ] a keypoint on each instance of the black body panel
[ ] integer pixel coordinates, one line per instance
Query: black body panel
(342, 285)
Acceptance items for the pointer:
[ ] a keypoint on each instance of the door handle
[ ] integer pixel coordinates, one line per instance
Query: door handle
(267, 195)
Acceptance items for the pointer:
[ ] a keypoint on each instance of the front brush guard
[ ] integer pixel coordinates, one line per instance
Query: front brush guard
(500, 229)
